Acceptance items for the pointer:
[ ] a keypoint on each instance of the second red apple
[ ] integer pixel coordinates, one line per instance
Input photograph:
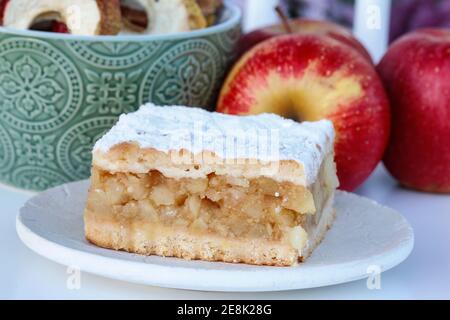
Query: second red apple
(416, 73)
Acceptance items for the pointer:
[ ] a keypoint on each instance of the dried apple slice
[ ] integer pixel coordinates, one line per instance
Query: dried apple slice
(162, 17)
(210, 9)
(79, 17)
(134, 19)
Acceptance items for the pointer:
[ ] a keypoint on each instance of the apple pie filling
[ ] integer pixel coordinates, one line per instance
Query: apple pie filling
(220, 205)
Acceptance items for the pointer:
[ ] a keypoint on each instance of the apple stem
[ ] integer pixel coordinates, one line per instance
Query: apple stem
(284, 19)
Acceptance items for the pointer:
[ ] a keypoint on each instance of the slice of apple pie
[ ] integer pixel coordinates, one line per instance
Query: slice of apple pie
(183, 182)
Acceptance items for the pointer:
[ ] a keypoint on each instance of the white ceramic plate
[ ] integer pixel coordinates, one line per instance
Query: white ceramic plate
(365, 237)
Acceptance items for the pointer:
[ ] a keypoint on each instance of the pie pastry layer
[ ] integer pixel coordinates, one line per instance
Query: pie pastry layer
(157, 190)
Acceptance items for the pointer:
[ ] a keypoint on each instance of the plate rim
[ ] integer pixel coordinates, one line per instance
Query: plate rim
(93, 263)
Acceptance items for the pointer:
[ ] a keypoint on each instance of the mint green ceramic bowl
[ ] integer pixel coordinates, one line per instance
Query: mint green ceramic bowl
(60, 93)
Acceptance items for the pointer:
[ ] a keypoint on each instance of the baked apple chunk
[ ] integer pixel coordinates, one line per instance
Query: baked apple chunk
(142, 200)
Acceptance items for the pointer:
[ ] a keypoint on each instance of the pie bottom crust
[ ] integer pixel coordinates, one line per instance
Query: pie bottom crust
(148, 238)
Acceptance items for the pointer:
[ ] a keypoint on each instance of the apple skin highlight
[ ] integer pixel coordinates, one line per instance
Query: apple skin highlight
(416, 74)
(311, 77)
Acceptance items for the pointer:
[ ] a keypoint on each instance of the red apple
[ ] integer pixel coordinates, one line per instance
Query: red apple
(303, 26)
(416, 74)
(312, 77)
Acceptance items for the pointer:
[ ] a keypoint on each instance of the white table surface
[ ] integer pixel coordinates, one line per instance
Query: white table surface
(424, 275)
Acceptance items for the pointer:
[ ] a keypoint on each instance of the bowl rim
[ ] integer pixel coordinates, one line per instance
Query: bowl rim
(233, 20)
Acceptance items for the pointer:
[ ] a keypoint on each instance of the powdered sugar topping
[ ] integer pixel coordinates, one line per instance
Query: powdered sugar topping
(266, 137)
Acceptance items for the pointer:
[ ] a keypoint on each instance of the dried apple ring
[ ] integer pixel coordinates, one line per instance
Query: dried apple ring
(210, 9)
(164, 16)
(80, 17)
(134, 16)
